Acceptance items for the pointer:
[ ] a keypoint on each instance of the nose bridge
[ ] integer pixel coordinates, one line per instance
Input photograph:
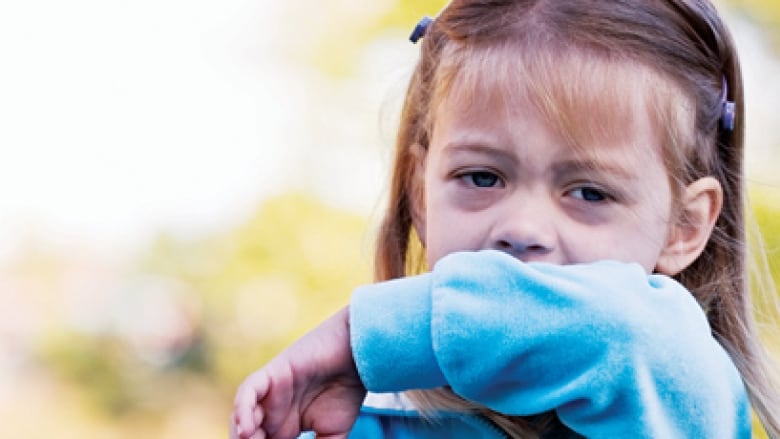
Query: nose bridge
(526, 222)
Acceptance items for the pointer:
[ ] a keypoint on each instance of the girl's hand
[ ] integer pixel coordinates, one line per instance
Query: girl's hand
(312, 385)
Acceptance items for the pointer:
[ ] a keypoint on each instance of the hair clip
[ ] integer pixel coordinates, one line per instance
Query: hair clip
(419, 30)
(728, 109)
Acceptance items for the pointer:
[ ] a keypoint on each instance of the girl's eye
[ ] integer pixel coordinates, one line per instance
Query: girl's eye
(589, 194)
(482, 179)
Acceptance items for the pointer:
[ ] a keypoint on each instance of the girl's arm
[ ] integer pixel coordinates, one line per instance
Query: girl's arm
(615, 352)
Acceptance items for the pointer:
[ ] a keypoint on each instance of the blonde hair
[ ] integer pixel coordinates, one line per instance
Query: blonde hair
(685, 55)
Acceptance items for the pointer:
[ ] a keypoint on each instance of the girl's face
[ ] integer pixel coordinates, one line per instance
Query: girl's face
(497, 176)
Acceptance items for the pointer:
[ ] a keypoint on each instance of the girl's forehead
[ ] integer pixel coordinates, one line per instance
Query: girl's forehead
(586, 99)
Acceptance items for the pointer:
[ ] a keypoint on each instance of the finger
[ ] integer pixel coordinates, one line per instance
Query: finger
(236, 431)
(257, 416)
(233, 426)
(281, 417)
(256, 383)
(247, 403)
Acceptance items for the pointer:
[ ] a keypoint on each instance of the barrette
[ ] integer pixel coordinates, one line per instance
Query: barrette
(728, 109)
(419, 30)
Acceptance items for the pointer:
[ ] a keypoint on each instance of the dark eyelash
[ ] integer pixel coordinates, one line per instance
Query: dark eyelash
(473, 177)
(601, 194)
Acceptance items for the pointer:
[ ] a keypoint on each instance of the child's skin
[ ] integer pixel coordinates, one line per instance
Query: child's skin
(505, 180)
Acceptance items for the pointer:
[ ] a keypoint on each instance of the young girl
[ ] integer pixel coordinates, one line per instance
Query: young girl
(572, 171)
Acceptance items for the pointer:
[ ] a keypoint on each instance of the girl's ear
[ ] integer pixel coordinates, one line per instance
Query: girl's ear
(700, 209)
(417, 155)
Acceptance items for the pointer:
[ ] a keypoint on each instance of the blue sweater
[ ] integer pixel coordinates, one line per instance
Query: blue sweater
(613, 351)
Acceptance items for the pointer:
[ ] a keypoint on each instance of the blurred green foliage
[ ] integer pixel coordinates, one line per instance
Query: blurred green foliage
(251, 290)
(101, 366)
(268, 280)
(765, 204)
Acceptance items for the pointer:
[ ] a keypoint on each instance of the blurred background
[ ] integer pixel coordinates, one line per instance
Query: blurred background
(187, 186)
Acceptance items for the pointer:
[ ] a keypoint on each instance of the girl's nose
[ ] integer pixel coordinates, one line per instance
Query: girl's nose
(526, 233)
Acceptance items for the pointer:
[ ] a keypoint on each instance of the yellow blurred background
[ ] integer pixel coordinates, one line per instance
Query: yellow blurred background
(187, 186)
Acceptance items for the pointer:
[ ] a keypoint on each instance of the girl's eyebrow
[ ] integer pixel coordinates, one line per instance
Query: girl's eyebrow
(468, 147)
(592, 165)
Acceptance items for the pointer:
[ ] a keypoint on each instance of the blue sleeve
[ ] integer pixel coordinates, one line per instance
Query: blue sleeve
(615, 352)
